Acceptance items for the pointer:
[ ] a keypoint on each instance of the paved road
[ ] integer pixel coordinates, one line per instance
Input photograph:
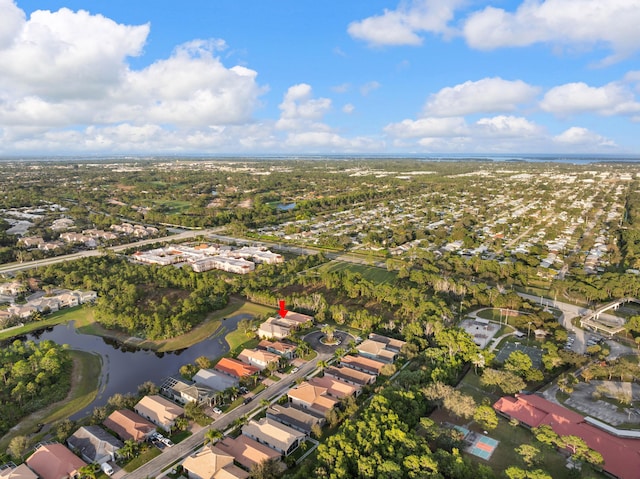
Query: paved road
(170, 455)
(14, 267)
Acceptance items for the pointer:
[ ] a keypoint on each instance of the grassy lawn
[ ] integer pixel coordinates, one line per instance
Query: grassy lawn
(80, 314)
(370, 273)
(86, 372)
(180, 436)
(142, 459)
(174, 206)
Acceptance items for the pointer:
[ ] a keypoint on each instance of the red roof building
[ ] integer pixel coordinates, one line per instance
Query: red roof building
(621, 455)
(236, 368)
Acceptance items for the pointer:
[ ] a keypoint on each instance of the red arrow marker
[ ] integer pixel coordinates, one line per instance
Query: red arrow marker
(283, 312)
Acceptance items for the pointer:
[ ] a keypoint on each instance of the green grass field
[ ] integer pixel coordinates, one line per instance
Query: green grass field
(80, 314)
(370, 273)
(174, 206)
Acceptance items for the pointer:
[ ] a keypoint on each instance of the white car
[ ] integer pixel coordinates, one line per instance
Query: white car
(167, 442)
(217, 410)
(295, 370)
(106, 468)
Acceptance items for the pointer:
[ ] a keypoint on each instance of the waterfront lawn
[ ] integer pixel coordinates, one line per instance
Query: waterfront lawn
(80, 314)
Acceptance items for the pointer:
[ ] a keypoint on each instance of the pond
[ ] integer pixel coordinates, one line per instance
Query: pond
(124, 368)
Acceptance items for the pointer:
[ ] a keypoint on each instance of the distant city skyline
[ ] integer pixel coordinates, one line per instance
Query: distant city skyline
(256, 77)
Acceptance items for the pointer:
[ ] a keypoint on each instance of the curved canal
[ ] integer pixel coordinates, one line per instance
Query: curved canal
(124, 368)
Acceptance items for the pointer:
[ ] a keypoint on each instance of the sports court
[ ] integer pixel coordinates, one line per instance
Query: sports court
(534, 353)
(478, 444)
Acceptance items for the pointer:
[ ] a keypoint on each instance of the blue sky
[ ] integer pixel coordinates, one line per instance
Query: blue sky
(332, 77)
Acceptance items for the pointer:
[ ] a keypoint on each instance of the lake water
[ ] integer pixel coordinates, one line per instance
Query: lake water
(125, 368)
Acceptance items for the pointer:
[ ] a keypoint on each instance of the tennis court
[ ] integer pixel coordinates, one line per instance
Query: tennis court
(481, 446)
(534, 353)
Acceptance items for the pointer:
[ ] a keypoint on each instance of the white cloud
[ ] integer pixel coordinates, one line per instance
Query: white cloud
(342, 88)
(561, 22)
(348, 108)
(369, 87)
(582, 137)
(428, 127)
(482, 96)
(405, 25)
(507, 127)
(571, 98)
(66, 54)
(299, 110)
(11, 21)
(63, 69)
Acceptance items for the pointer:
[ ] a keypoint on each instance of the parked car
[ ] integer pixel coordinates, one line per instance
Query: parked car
(217, 410)
(106, 468)
(167, 442)
(295, 370)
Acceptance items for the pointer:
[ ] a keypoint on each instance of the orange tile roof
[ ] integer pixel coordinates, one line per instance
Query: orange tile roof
(129, 425)
(621, 455)
(246, 451)
(54, 461)
(235, 368)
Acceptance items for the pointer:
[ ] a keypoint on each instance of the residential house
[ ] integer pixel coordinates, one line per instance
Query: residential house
(235, 368)
(94, 444)
(283, 439)
(185, 392)
(272, 328)
(129, 425)
(297, 320)
(258, 358)
(31, 241)
(22, 311)
(68, 299)
(85, 296)
(336, 388)
(308, 396)
(285, 350)
(159, 411)
(12, 288)
(46, 304)
(11, 471)
(216, 380)
(293, 417)
(392, 344)
(62, 224)
(247, 452)
(55, 461)
(619, 449)
(376, 350)
(211, 462)
(350, 376)
(360, 363)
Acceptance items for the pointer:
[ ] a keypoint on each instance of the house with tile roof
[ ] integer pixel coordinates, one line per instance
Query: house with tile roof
(391, 343)
(158, 410)
(185, 392)
(293, 417)
(308, 396)
(274, 434)
(129, 425)
(620, 452)
(360, 363)
(235, 368)
(211, 462)
(376, 350)
(350, 376)
(258, 358)
(281, 348)
(273, 329)
(54, 461)
(336, 388)
(248, 452)
(17, 472)
(94, 444)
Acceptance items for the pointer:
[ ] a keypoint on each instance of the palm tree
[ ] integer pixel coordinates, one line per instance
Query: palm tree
(212, 435)
(322, 365)
(88, 472)
(129, 449)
